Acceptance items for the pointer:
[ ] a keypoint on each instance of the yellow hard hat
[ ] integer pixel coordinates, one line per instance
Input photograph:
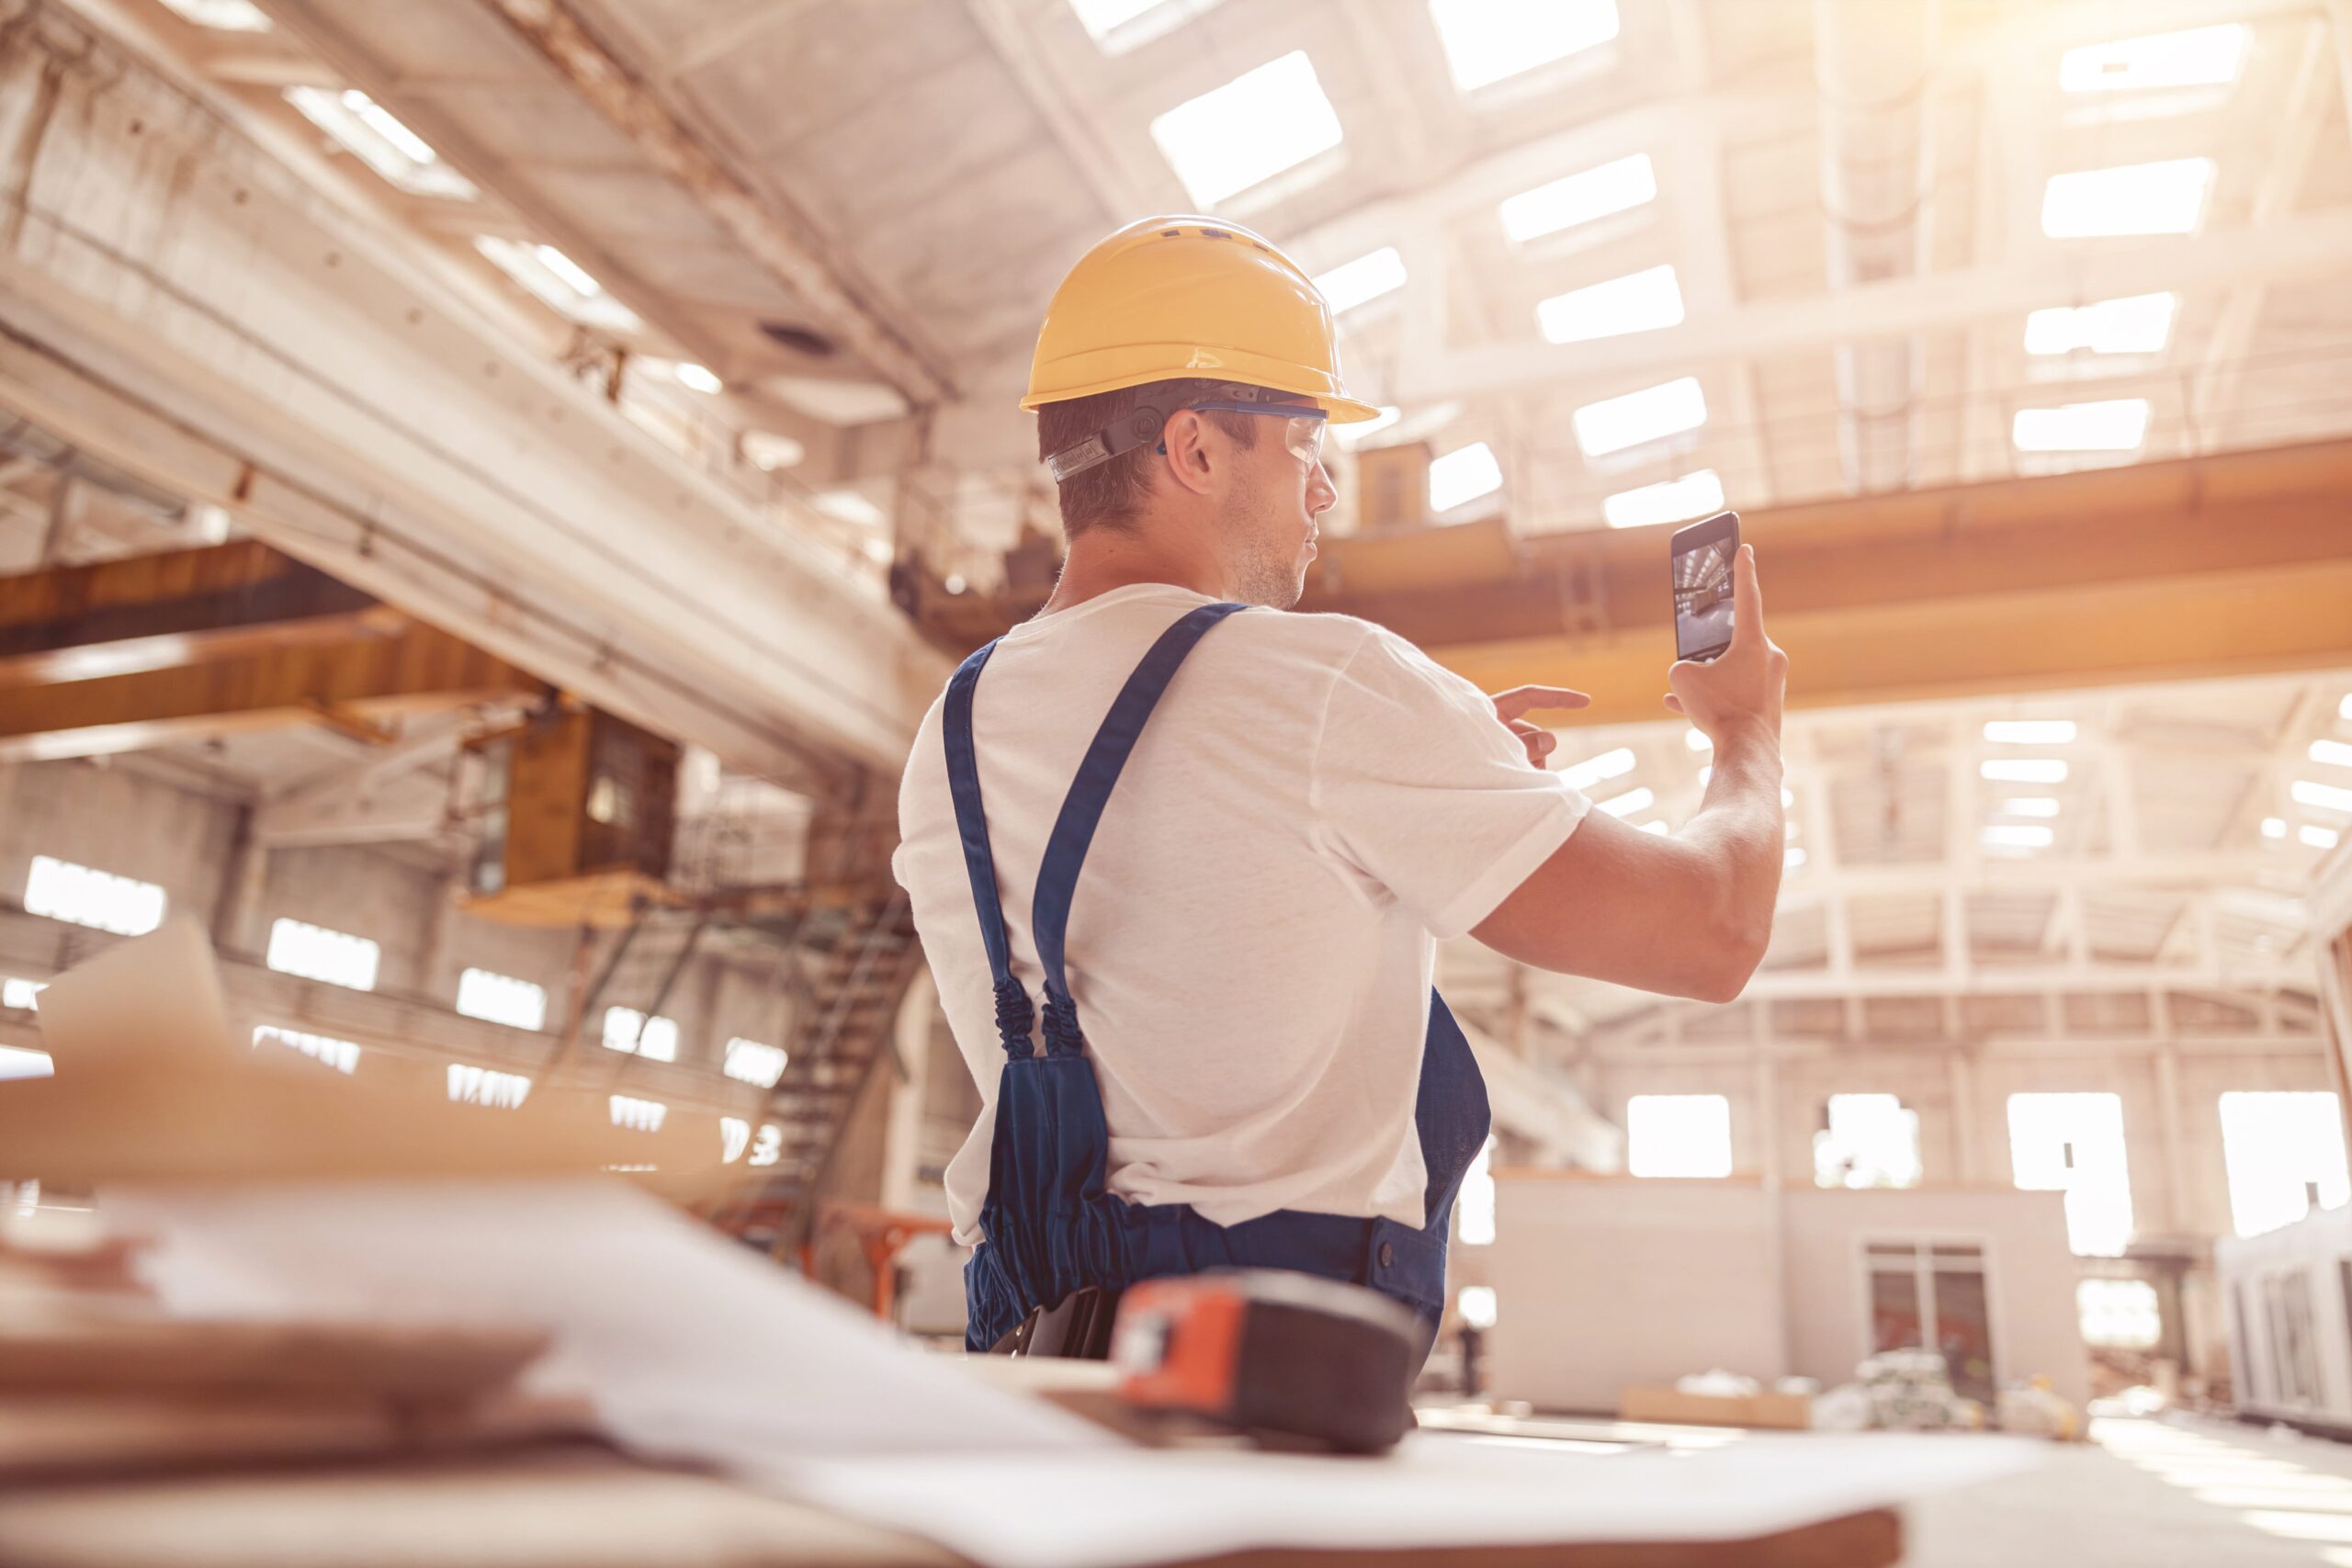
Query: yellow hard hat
(1170, 298)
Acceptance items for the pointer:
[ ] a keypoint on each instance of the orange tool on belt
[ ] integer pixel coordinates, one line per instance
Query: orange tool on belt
(1271, 1353)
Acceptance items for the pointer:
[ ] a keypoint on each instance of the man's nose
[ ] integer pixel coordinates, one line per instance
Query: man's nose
(1321, 493)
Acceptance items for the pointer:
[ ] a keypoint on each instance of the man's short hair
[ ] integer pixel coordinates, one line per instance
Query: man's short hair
(1110, 496)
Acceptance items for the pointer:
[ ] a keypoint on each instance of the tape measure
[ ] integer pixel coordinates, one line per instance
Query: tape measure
(1272, 1353)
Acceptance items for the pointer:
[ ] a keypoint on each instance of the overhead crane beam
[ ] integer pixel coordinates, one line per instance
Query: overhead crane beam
(2231, 564)
(174, 607)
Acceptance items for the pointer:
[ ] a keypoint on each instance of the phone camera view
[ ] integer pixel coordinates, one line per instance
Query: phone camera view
(1702, 598)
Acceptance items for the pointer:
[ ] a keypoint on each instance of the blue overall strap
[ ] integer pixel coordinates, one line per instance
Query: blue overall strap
(1014, 1014)
(1083, 809)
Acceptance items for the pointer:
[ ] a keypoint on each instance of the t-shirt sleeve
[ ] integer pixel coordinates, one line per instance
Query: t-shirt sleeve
(1417, 787)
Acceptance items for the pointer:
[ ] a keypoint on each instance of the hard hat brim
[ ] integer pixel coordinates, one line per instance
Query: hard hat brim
(1338, 407)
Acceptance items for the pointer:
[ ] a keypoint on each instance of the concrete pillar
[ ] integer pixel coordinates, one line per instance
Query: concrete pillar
(237, 916)
(1962, 1074)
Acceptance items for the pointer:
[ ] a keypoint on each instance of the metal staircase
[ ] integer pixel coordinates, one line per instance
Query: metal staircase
(864, 956)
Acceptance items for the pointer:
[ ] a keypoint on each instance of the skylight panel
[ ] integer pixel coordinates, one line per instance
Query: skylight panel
(1633, 800)
(1613, 764)
(1671, 501)
(1488, 40)
(1353, 436)
(1651, 415)
(1462, 475)
(2138, 199)
(2017, 836)
(2327, 797)
(849, 506)
(2117, 425)
(370, 133)
(2198, 57)
(2337, 753)
(2317, 837)
(1118, 26)
(222, 15)
(557, 282)
(1249, 130)
(2028, 806)
(1362, 280)
(2029, 731)
(1598, 192)
(2024, 769)
(2273, 826)
(1638, 302)
(697, 378)
(2140, 323)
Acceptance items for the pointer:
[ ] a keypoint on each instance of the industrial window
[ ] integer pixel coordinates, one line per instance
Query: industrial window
(2119, 1314)
(640, 1115)
(63, 891)
(1489, 40)
(2137, 324)
(2284, 1153)
(655, 1038)
(1932, 1295)
(1678, 1135)
(483, 1086)
(1244, 134)
(317, 953)
(752, 1062)
(734, 1138)
(768, 1147)
(2074, 1144)
(1463, 476)
(343, 1055)
(502, 998)
(1867, 1140)
(1476, 1203)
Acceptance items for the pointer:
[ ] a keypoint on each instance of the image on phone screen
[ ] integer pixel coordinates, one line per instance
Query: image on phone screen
(1702, 597)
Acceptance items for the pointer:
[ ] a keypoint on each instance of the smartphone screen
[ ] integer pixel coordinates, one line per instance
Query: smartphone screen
(1701, 558)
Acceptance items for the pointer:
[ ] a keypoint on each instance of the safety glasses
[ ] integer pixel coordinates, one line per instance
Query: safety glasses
(1301, 430)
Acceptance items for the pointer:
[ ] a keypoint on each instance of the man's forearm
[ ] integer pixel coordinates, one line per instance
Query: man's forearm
(1740, 821)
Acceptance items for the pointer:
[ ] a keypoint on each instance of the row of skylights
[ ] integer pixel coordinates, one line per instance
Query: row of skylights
(1362, 280)
(1615, 424)
(1488, 41)
(368, 131)
(223, 16)
(557, 282)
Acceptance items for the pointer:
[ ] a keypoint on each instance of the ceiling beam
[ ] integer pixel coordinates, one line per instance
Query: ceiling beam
(783, 242)
(417, 669)
(2240, 563)
(148, 612)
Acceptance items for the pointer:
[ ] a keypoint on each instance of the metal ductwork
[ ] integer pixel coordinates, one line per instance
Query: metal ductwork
(1872, 64)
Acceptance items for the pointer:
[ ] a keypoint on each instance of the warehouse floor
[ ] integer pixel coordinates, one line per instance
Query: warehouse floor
(2184, 1492)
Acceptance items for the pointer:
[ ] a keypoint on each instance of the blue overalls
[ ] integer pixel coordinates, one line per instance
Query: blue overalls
(1050, 1225)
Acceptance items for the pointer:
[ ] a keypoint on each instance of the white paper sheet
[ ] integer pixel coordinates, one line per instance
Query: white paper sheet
(693, 1349)
(1131, 1506)
(688, 1346)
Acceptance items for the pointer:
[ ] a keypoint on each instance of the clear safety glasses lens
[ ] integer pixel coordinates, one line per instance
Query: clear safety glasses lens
(1305, 439)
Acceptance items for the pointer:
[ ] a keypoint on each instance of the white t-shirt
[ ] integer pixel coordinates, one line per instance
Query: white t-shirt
(1312, 805)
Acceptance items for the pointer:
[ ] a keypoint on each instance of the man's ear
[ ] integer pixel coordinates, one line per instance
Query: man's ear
(1193, 457)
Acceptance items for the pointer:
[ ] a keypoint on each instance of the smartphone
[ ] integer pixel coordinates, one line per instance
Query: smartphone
(1702, 557)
